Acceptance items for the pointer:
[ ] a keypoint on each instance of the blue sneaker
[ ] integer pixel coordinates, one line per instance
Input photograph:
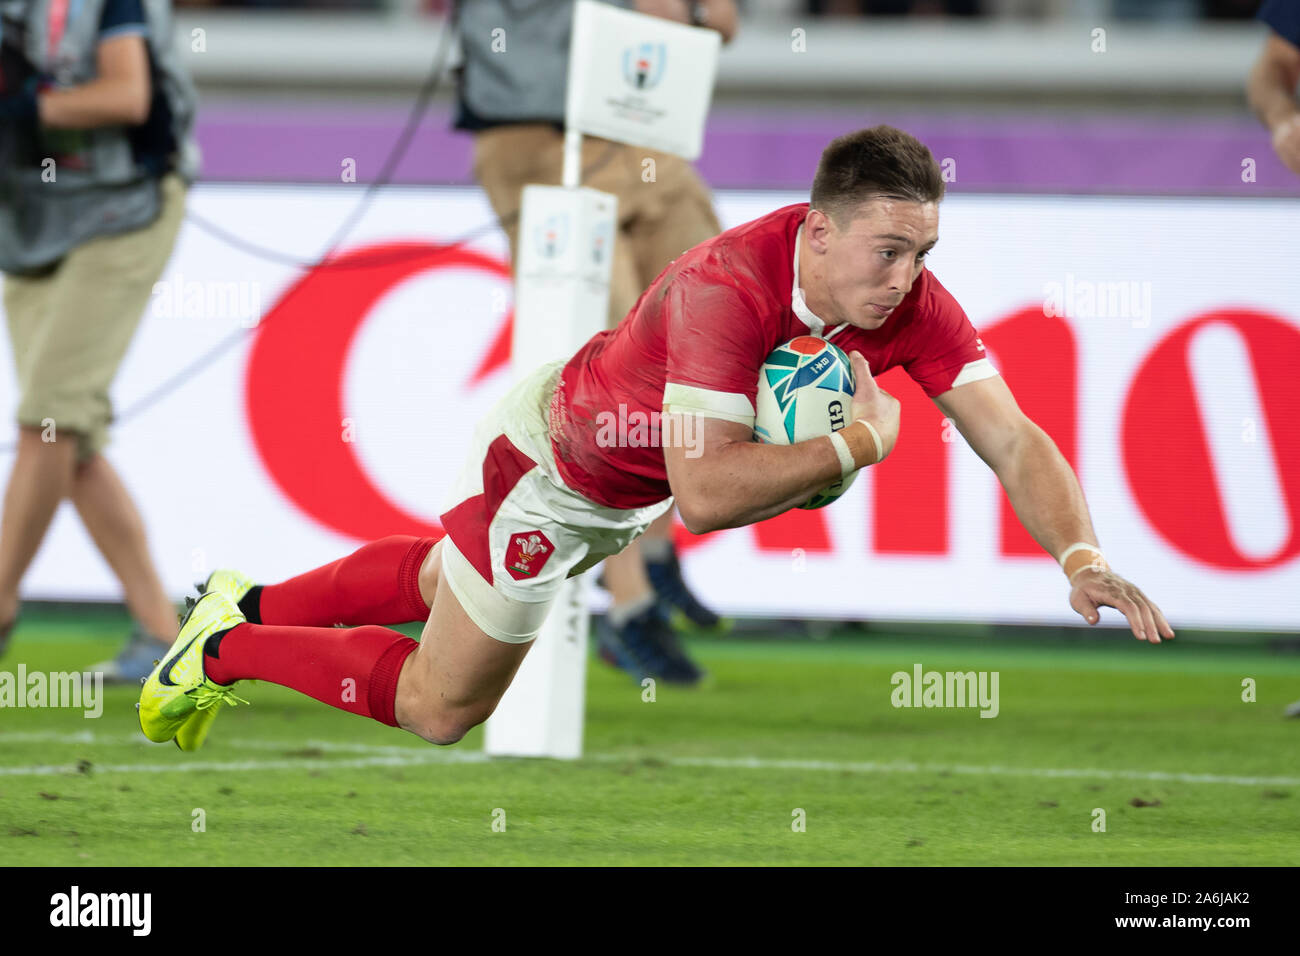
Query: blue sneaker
(645, 646)
(135, 661)
(666, 578)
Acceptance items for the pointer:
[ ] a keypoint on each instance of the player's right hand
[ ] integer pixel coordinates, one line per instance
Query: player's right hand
(873, 403)
(1096, 587)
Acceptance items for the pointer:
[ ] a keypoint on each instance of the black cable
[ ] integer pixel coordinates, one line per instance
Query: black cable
(390, 165)
(369, 262)
(284, 258)
(395, 155)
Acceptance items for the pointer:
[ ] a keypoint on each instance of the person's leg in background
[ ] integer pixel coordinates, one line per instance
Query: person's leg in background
(41, 474)
(507, 158)
(70, 331)
(115, 525)
(38, 480)
(44, 473)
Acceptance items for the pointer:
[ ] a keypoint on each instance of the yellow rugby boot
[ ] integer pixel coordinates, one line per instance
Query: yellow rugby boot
(194, 731)
(178, 689)
(232, 584)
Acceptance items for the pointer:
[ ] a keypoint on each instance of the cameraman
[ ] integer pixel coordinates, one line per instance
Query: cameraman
(96, 154)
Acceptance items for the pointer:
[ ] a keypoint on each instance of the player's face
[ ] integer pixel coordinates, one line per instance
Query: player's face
(869, 265)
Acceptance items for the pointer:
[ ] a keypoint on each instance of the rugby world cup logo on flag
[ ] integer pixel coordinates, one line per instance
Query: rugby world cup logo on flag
(553, 235)
(527, 554)
(600, 243)
(643, 65)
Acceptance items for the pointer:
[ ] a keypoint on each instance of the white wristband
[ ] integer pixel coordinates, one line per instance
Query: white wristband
(1079, 546)
(875, 436)
(1098, 563)
(1084, 567)
(847, 464)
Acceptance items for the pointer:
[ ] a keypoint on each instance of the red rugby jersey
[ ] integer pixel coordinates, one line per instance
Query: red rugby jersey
(696, 339)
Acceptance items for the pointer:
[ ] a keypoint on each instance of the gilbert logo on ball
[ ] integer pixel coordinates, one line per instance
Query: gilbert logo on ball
(805, 391)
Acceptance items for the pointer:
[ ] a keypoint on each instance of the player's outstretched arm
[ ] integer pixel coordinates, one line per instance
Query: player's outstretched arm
(722, 478)
(1048, 501)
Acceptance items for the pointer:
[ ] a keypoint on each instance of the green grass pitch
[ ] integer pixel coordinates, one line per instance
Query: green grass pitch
(786, 732)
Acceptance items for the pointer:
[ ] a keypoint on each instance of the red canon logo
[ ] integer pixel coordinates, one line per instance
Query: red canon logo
(1167, 453)
(293, 385)
(295, 372)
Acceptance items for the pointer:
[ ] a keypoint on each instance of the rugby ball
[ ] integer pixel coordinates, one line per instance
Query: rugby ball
(805, 391)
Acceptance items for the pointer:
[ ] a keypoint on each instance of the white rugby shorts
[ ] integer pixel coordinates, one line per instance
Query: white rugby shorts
(515, 530)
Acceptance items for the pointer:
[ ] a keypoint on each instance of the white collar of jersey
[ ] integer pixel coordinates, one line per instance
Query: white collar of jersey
(797, 302)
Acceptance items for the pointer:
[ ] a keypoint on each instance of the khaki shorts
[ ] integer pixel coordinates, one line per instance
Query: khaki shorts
(657, 221)
(515, 530)
(70, 327)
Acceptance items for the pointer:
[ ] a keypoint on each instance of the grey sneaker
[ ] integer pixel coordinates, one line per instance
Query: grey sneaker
(135, 661)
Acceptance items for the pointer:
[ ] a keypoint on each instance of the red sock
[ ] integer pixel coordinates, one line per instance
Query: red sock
(354, 669)
(378, 583)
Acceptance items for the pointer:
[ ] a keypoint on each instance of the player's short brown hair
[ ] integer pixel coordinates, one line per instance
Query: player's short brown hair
(878, 162)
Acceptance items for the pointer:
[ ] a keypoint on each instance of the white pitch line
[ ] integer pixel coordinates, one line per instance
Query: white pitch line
(399, 756)
(241, 766)
(139, 740)
(52, 736)
(761, 763)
